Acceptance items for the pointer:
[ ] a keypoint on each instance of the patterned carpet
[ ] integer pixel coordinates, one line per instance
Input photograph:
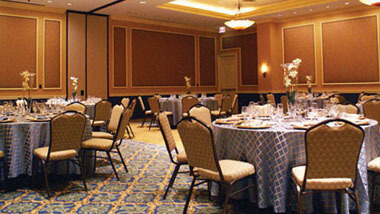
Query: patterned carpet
(139, 191)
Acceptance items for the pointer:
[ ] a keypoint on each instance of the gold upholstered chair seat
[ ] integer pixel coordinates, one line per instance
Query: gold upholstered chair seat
(232, 171)
(1, 154)
(104, 135)
(98, 143)
(374, 165)
(168, 113)
(298, 174)
(148, 112)
(181, 157)
(42, 154)
(98, 123)
(217, 113)
(185, 114)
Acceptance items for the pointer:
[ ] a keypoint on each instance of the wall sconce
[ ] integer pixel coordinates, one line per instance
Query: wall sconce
(264, 70)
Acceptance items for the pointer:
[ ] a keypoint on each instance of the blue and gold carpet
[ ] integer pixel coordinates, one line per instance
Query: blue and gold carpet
(139, 191)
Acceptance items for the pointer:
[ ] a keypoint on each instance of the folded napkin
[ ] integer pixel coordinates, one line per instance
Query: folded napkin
(254, 124)
(230, 120)
(39, 118)
(303, 125)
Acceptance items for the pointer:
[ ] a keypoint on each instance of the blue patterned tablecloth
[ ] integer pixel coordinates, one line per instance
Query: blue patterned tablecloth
(275, 151)
(19, 139)
(174, 105)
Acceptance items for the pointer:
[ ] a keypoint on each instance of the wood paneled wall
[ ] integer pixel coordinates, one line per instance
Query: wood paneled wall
(148, 58)
(340, 50)
(33, 41)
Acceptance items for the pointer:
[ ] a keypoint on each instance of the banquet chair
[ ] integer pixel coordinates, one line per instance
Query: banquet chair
(225, 109)
(178, 158)
(154, 105)
(374, 169)
(367, 97)
(262, 100)
(371, 109)
(187, 102)
(129, 127)
(66, 131)
(234, 105)
(202, 113)
(348, 108)
(107, 145)
(332, 155)
(125, 102)
(219, 98)
(116, 112)
(102, 113)
(337, 99)
(76, 106)
(146, 112)
(270, 99)
(284, 101)
(198, 141)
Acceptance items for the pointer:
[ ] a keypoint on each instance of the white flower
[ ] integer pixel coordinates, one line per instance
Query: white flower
(293, 73)
(297, 61)
(75, 82)
(287, 81)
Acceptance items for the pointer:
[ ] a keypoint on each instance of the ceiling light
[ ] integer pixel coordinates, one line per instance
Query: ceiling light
(239, 24)
(371, 2)
(328, 6)
(222, 29)
(310, 9)
(142, 2)
(49, 1)
(279, 15)
(294, 12)
(69, 4)
(347, 3)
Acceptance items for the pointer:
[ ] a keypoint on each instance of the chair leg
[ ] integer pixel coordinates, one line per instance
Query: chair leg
(372, 196)
(151, 122)
(357, 200)
(209, 190)
(129, 135)
(121, 158)
(228, 191)
(299, 200)
(94, 170)
(189, 195)
(82, 172)
(130, 127)
(46, 178)
(113, 167)
(5, 171)
(172, 179)
(142, 124)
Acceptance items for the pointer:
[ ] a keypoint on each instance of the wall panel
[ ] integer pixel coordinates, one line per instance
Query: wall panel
(17, 53)
(120, 60)
(97, 56)
(249, 62)
(299, 43)
(161, 58)
(207, 61)
(52, 54)
(353, 58)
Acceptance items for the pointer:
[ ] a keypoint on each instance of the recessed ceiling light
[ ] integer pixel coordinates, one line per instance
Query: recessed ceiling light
(69, 4)
(279, 15)
(347, 3)
(294, 12)
(142, 2)
(49, 1)
(310, 9)
(328, 6)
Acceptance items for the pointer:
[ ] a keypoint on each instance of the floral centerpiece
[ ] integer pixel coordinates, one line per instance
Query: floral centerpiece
(291, 79)
(74, 83)
(188, 85)
(27, 88)
(308, 82)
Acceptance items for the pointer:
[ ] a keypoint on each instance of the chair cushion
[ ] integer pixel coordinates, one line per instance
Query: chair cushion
(232, 171)
(374, 165)
(103, 135)
(298, 174)
(97, 144)
(148, 112)
(1, 154)
(216, 113)
(185, 114)
(42, 153)
(181, 157)
(165, 112)
(99, 123)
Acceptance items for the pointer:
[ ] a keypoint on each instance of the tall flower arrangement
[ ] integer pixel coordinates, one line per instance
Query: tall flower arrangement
(74, 83)
(188, 85)
(308, 82)
(27, 86)
(291, 78)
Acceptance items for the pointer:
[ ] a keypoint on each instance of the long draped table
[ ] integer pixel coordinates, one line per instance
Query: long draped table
(19, 139)
(276, 150)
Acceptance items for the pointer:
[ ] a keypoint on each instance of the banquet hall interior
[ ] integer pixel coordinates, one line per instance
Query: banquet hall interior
(189, 106)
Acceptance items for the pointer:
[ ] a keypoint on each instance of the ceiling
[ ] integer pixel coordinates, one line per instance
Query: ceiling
(202, 13)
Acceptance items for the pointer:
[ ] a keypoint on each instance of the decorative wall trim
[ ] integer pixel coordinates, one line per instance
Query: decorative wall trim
(126, 56)
(216, 62)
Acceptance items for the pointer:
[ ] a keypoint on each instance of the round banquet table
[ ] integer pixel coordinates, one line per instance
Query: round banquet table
(174, 105)
(274, 151)
(19, 139)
